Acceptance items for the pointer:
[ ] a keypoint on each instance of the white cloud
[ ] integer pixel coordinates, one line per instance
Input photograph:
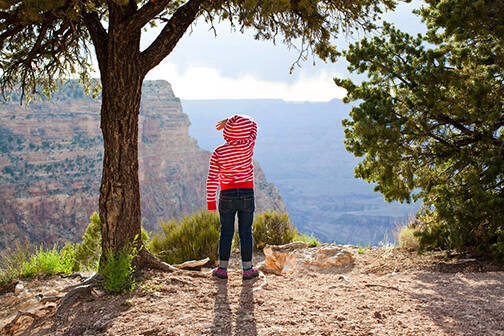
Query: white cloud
(199, 82)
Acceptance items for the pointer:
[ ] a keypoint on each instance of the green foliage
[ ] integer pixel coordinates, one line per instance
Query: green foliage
(46, 42)
(194, 237)
(11, 264)
(273, 228)
(118, 271)
(88, 252)
(430, 122)
(407, 238)
(49, 262)
(311, 239)
(362, 250)
(197, 236)
(20, 263)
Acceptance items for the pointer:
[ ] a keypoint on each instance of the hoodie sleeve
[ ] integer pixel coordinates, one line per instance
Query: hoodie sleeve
(212, 181)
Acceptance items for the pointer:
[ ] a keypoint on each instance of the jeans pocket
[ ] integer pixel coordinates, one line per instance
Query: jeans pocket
(226, 205)
(248, 204)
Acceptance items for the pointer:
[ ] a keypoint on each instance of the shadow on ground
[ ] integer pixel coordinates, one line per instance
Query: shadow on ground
(470, 303)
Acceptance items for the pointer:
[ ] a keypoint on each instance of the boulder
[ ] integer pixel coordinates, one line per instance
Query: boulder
(289, 258)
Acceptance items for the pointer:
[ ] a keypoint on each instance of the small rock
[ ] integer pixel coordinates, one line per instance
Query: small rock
(18, 289)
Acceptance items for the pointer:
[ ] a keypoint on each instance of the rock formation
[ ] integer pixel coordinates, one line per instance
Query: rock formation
(51, 161)
(299, 256)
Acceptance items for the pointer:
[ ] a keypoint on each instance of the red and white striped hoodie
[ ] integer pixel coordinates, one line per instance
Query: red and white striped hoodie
(231, 163)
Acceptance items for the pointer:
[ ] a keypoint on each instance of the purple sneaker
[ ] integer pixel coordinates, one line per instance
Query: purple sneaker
(250, 273)
(220, 273)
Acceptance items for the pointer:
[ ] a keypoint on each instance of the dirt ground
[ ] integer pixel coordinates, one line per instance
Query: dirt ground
(387, 292)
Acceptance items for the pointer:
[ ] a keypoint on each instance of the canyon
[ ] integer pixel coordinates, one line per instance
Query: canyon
(51, 154)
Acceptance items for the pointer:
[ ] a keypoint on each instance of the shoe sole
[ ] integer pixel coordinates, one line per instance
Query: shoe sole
(251, 277)
(219, 276)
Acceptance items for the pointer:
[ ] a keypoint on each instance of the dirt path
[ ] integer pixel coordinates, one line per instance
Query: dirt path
(388, 292)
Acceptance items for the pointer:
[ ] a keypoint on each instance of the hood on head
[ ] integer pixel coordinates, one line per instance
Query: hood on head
(238, 128)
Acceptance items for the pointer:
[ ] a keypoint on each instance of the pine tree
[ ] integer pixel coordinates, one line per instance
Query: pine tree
(430, 122)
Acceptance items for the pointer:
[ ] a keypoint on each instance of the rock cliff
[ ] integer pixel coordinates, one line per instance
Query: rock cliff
(51, 162)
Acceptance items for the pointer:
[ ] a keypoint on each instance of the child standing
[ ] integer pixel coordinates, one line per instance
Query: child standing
(231, 167)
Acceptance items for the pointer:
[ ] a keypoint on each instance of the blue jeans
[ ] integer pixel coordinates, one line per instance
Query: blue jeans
(232, 201)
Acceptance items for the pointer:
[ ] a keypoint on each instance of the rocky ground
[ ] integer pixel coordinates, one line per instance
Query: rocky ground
(386, 291)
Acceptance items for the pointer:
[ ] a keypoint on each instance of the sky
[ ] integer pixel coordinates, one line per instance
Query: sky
(233, 65)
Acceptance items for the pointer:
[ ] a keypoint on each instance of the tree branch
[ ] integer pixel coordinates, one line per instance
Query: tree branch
(10, 32)
(146, 13)
(98, 36)
(170, 35)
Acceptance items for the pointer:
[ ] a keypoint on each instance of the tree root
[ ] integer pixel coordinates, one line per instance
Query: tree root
(78, 293)
(145, 259)
(91, 280)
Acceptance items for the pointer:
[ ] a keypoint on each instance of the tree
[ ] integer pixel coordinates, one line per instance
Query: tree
(430, 123)
(45, 41)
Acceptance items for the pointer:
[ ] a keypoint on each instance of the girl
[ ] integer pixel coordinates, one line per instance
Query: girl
(231, 167)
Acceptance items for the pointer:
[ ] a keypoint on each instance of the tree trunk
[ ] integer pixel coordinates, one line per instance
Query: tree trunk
(122, 70)
(121, 93)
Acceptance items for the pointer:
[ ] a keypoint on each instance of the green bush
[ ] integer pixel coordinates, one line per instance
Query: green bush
(407, 238)
(311, 239)
(194, 237)
(118, 271)
(82, 256)
(49, 262)
(11, 264)
(88, 252)
(273, 228)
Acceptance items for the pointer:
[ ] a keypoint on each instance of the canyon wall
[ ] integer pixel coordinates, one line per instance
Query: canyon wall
(51, 156)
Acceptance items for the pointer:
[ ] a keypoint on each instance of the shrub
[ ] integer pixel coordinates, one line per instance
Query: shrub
(311, 239)
(11, 263)
(118, 271)
(49, 262)
(197, 236)
(88, 252)
(194, 237)
(273, 228)
(407, 238)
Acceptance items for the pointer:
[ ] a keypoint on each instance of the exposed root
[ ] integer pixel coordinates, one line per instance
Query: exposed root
(145, 259)
(74, 275)
(47, 299)
(74, 295)
(91, 280)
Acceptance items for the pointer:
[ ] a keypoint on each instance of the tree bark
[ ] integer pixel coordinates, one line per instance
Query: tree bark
(123, 68)
(121, 93)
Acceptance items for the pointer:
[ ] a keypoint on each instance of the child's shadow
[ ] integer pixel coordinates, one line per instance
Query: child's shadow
(222, 311)
(245, 319)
